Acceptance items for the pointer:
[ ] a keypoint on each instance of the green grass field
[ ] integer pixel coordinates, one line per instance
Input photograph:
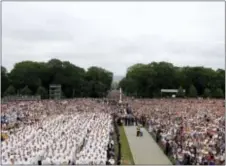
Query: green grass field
(126, 155)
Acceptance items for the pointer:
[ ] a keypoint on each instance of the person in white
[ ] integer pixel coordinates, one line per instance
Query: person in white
(58, 135)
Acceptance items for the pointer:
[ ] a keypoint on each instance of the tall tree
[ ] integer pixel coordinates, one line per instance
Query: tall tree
(207, 93)
(42, 92)
(180, 92)
(26, 91)
(217, 93)
(146, 80)
(4, 80)
(100, 81)
(26, 73)
(10, 91)
(192, 91)
(143, 80)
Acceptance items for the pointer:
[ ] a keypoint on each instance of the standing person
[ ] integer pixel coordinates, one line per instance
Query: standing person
(119, 154)
(141, 131)
(119, 121)
(158, 136)
(138, 131)
(108, 152)
(130, 120)
(136, 121)
(127, 121)
(195, 152)
(107, 162)
(39, 160)
(150, 127)
(40, 157)
(73, 158)
(143, 121)
(12, 160)
(167, 148)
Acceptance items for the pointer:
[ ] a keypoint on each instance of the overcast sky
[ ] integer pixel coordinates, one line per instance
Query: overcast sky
(114, 35)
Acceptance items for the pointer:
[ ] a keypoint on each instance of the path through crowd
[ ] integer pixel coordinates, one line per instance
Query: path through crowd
(144, 149)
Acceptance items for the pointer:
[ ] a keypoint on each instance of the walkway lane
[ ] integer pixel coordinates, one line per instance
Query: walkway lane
(144, 149)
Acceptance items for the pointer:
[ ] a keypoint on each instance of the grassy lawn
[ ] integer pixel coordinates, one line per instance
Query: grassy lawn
(126, 155)
(115, 147)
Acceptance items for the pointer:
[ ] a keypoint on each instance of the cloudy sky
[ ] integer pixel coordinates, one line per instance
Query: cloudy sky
(114, 35)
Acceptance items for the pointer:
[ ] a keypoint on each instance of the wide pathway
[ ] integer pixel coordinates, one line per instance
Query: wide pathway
(144, 149)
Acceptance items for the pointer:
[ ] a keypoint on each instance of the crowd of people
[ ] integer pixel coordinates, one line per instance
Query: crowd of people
(58, 132)
(85, 131)
(191, 131)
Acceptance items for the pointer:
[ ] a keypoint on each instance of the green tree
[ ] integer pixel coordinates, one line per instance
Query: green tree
(26, 73)
(4, 80)
(217, 93)
(220, 79)
(146, 80)
(26, 91)
(100, 81)
(180, 92)
(42, 92)
(10, 91)
(143, 80)
(192, 91)
(207, 93)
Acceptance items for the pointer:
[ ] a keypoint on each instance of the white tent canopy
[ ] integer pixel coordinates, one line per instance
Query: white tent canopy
(170, 90)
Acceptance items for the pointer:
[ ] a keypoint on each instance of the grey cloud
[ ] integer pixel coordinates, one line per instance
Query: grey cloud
(93, 34)
(209, 49)
(39, 35)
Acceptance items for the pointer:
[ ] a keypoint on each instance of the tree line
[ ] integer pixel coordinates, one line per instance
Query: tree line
(141, 80)
(34, 78)
(147, 80)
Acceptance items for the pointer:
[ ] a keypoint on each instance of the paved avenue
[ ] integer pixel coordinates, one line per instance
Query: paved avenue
(144, 149)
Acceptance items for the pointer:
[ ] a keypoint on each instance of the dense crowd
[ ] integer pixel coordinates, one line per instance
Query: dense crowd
(57, 132)
(82, 131)
(192, 131)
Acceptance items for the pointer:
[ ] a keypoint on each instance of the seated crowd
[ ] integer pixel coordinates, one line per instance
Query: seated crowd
(58, 132)
(191, 131)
